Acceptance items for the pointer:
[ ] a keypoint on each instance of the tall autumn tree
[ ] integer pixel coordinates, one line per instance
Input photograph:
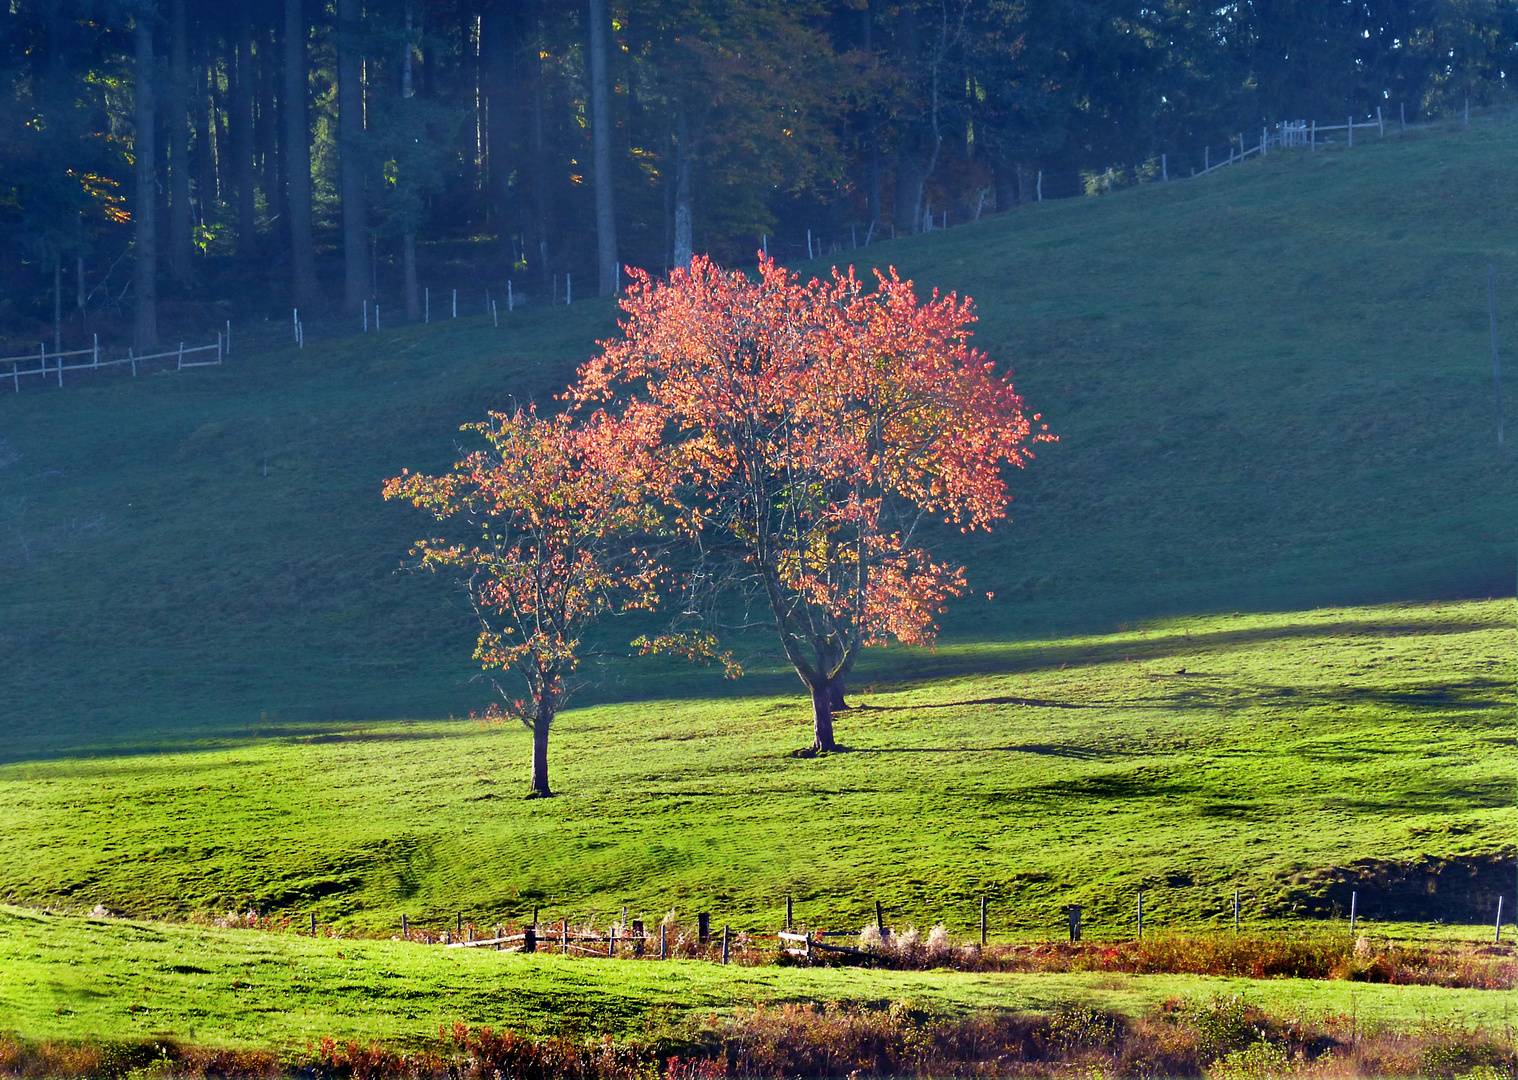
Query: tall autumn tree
(815, 429)
(544, 523)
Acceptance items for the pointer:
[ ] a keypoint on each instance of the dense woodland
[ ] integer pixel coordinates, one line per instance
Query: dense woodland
(162, 159)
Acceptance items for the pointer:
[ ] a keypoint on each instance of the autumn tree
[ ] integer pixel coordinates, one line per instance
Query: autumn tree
(545, 539)
(811, 431)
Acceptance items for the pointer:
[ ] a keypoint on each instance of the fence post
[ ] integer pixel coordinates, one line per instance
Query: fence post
(510, 302)
(495, 316)
(180, 365)
(880, 921)
(405, 930)
(1264, 142)
(564, 936)
(637, 937)
(1039, 190)
(133, 358)
(229, 336)
(1141, 915)
(1206, 159)
(530, 939)
(663, 943)
(1073, 912)
(313, 924)
(95, 358)
(1350, 127)
(569, 290)
(982, 918)
(1380, 123)
(60, 368)
(458, 922)
(725, 933)
(611, 941)
(704, 927)
(1497, 937)
(426, 308)
(1314, 147)
(1354, 899)
(787, 913)
(455, 303)
(1236, 911)
(1164, 169)
(1402, 108)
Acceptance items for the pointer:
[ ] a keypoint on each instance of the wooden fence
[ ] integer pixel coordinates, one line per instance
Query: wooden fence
(49, 365)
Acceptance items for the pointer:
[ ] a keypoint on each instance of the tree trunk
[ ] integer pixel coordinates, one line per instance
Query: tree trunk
(539, 178)
(822, 718)
(684, 183)
(496, 31)
(350, 109)
(181, 222)
(540, 757)
(57, 301)
(145, 325)
(268, 135)
(241, 123)
(408, 270)
(872, 123)
(600, 116)
(298, 157)
(837, 689)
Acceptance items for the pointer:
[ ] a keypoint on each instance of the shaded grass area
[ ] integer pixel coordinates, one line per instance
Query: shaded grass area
(1293, 757)
(73, 978)
(1272, 388)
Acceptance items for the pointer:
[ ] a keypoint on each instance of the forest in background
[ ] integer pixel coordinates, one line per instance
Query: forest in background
(161, 160)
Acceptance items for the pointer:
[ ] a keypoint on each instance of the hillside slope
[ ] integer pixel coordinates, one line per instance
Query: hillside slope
(1272, 387)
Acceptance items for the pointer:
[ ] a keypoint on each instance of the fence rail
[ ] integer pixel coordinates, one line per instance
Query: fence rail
(52, 364)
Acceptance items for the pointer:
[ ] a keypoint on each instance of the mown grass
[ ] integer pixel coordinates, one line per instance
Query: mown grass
(73, 978)
(1268, 753)
(1272, 387)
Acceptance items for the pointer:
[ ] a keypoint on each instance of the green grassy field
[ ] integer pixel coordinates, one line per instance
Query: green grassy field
(1272, 387)
(77, 978)
(1188, 759)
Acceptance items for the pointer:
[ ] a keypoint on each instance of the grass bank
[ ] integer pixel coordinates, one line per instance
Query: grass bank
(1272, 387)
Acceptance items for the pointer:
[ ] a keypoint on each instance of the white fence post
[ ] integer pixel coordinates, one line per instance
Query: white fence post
(1350, 127)
(1380, 123)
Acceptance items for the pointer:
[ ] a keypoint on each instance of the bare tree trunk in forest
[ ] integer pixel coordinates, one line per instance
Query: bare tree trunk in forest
(539, 177)
(600, 116)
(350, 110)
(872, 122)
(181, 223)
(408, 238)
(57, 301)
(496, 65)
(145, 324)
(684, 186)
(298, 157)
(267, 131)
(241, 124)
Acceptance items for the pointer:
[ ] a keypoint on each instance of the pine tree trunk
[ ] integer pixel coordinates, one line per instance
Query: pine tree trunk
(684, 185)
(268, 139)
(241, 123)
(298, 158)
(408, 269)
(145, 323)
(496, 60)
(600, 103)
(181, 222)
(350, 108)
(822, 718)
(540, 756)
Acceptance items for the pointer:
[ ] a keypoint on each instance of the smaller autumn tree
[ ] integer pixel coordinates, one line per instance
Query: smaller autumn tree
(808, 432)
(547, 542)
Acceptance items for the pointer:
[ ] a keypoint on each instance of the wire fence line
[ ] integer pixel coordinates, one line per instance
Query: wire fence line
(46, 366)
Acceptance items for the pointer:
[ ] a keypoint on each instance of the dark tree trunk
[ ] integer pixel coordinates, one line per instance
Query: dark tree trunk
(267, 130)
(540, 756)
(496, 62)
(600, 104)
(872, 124)
(350, 108)
(408, 273)
(298, 157)
(145, 323)
(539, 179)
(836, 689)
(684, 188)
(241, 123)
(181, 221)
(822, 718)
